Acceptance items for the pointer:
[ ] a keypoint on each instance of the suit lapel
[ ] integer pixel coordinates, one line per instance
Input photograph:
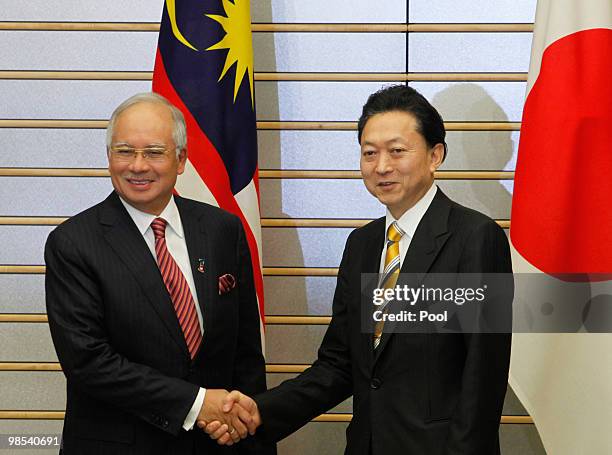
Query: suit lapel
(202, 269)
(429, 239)
(373, 250)
(126, 241)
(371, 264)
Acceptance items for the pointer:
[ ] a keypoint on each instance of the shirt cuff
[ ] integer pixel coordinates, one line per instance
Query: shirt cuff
(194, 411)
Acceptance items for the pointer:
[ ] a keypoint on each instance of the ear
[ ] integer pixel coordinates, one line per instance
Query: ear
(182, 159)
(437, 156)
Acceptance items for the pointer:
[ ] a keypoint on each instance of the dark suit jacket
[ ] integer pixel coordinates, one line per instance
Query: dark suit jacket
(130, 379)
(422, 394)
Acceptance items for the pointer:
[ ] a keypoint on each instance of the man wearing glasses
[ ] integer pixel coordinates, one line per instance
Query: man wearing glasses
(151, 302)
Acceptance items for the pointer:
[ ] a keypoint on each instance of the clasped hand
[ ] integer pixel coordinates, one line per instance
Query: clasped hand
(228, 417)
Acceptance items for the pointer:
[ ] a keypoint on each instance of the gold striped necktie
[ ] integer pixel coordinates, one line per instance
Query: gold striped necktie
(390, 272)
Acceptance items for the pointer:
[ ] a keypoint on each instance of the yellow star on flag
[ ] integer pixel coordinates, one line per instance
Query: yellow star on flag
(237, 39)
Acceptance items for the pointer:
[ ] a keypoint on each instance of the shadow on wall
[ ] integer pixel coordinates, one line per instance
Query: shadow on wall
(484, 150)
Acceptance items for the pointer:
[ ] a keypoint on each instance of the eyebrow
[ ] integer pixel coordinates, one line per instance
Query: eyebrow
(152, 144)
(394, 139)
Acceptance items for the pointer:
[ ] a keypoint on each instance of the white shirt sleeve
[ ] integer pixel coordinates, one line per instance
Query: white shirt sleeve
(195, 410)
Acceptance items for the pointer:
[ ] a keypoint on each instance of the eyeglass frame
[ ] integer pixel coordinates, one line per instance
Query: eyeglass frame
(144, 151)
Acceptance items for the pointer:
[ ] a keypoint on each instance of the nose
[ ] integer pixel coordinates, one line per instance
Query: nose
(383, 164)
(139, 164)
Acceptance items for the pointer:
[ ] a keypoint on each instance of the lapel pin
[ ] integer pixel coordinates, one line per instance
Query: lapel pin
(201, 265)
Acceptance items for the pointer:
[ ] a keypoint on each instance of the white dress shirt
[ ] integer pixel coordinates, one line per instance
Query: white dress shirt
(175, 242)
(409, 222)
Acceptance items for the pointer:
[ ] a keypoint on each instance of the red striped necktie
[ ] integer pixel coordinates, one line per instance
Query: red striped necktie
(178, 289)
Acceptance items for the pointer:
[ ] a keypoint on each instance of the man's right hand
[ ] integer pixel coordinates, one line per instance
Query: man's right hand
(234, 403)
(235, 420)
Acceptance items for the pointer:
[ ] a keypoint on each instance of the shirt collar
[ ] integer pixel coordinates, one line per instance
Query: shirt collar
(143, 220)
(412, 217)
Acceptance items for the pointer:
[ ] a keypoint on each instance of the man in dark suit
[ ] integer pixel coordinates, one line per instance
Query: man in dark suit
(413, 393)
(151, 302)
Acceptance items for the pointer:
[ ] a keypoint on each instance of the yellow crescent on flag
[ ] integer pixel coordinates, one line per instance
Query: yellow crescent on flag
(175, 30)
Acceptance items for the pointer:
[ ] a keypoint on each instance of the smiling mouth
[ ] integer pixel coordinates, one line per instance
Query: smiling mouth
(386, 184)
(139, 182)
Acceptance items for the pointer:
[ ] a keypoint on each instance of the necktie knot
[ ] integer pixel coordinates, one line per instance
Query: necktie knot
(159, 228)
(394, 233)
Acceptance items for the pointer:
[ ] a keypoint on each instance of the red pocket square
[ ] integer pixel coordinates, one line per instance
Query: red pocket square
(227, 282)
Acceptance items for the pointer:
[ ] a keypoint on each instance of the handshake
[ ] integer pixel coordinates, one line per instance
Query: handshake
(228, 417)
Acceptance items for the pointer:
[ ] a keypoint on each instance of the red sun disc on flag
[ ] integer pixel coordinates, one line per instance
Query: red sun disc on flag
(562, 208)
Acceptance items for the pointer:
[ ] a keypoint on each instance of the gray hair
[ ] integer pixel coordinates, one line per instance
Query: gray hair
(179, 130)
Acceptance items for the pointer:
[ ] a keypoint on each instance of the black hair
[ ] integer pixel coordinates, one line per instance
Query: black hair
(406, 99)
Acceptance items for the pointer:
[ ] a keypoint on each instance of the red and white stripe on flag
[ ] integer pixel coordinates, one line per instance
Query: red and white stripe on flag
(221, 166)
(562, 218)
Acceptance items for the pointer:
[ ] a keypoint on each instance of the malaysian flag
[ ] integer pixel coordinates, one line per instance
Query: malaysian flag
(204, 66)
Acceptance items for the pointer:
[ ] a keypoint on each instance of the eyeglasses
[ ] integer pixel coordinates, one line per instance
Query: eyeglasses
(126, 153)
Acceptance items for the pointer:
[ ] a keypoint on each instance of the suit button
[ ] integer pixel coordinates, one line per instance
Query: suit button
(165, 424)
(376, 383)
